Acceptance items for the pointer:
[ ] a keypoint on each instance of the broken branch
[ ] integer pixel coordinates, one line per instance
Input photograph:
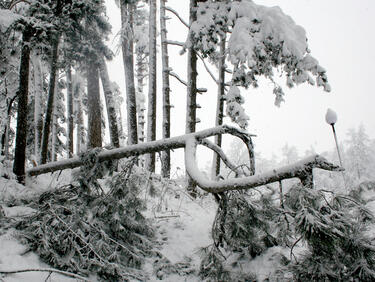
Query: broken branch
(301, 170)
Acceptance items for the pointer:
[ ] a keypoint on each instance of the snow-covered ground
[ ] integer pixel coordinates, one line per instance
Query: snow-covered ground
(183, 228)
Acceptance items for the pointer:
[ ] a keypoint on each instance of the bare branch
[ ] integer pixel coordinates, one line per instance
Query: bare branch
(207, 69)
(169, 9)
(65, 273)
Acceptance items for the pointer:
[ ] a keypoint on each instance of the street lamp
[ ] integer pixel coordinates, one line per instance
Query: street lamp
(331, 119)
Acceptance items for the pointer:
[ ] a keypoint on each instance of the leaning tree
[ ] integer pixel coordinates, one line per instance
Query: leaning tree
(261, 41)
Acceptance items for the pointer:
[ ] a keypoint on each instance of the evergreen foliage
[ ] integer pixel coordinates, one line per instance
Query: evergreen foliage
(86, 230)
(333, 228)
(339, 249)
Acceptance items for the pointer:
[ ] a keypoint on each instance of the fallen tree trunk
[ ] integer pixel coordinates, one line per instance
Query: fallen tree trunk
(144, 148)
(301, 169)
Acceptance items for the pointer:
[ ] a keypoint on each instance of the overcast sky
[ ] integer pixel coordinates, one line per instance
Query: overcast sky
(341, 36)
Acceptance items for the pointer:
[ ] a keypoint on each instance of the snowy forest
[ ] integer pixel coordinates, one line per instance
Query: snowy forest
(89, 193)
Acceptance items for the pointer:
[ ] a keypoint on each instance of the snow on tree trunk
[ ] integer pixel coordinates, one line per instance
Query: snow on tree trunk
(78, 92)
(80, 126)
(151, 110)
(220, 106)
(110, 104)
(50, 101)
(145, 148)
(94, 117)
(70, 114)
(21, 131)
(165, 155)
(128, 59)
(191, 101)
(140, 97)
(5, 136)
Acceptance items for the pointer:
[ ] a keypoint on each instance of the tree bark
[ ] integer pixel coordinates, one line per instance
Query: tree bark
(50, 101)
(151, 110)
(191, 101)
(94, 118)
(128, 59)
(110, 104)
(70, 114)
(38, 118)
(165, 155)
(21, 131)
(220, 106)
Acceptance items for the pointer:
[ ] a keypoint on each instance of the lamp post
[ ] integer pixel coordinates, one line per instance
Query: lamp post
(331, 119)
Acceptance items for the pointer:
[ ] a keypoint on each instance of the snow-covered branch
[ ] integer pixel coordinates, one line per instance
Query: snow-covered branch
(175, 75)
(169, 9)
(301, 169)
(224, 158)
(140, 149)
(176, 43)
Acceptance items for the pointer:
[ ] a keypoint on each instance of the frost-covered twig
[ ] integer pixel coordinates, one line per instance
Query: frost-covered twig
(220, 152)
(207, 69)
(65, 273)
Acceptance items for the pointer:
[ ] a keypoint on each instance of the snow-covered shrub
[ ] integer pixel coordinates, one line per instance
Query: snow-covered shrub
(241, 227)
(334, 228)
(87, 230)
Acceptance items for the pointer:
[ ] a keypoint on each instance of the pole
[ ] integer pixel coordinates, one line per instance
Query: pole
(337, 146)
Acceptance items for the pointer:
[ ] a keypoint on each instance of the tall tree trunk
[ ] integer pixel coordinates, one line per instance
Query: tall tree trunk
(38, 118)
(80, 126)
(140, 73)
(54, 129)
(151, 114)
(128, 59)
(165, 155)
(93, 106)
(220, 106)
(191, 102)
(21, 131)
(110, 104)
(70, 114)
(50, 101)
(51, 91)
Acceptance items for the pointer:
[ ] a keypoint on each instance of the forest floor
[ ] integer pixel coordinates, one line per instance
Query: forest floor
(183, 227)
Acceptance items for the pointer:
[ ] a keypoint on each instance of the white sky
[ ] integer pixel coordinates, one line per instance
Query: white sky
(341, 36)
